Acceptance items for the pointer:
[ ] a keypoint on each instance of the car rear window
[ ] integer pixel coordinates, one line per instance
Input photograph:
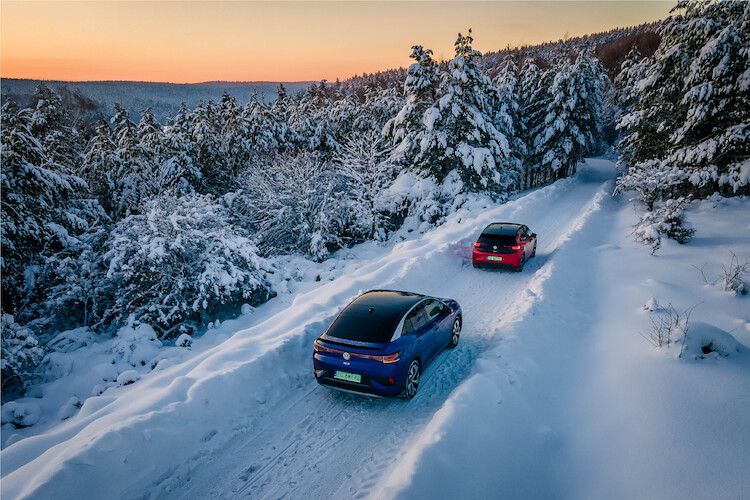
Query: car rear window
(358, 324)
(503, 239)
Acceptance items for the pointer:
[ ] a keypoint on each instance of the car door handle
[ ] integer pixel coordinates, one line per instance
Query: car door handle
(419, 341)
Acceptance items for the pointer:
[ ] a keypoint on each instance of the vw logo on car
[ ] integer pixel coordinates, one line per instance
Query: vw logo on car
(347, 356)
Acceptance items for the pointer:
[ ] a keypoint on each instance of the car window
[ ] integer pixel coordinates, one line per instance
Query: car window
(415, 320)
(495, 239)
(433, 308)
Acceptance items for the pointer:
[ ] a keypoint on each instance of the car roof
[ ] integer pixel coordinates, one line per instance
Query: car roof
(374, 315)
(508, 228)
(387, 302)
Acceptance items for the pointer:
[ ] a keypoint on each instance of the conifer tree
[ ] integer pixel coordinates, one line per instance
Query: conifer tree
(35, 195)
(420, 90)
(179, 171)
(462, 131)
(688, 130)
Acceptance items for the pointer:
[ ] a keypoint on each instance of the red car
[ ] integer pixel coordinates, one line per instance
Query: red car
(504, 244)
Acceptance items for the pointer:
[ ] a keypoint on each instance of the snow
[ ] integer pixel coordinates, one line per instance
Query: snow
(551, 392)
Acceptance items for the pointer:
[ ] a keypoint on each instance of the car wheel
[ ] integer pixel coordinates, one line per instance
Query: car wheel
(411, 384)
(533, 252)
(520, 266)
(455, 334)
(476, 266)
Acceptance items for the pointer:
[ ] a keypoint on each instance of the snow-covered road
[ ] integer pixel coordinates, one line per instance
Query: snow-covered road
(500, 416)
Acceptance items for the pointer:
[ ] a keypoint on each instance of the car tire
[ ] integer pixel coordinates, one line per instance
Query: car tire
(455, 334)
(411, 382)
(533, 252)
(476, 266)
(520, 266)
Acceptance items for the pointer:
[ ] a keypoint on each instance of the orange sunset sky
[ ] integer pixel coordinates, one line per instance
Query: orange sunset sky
(186, 42)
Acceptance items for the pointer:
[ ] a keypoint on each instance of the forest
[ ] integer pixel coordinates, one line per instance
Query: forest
(176, 224)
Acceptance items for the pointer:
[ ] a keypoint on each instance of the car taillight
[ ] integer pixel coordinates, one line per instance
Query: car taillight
(391, 358)
(476, 244)
(516, 247)
(321, 348)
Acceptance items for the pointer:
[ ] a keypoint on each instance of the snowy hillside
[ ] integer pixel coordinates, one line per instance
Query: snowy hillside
(553, 391)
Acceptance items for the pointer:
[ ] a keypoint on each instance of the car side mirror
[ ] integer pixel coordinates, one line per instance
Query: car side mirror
(533, 235)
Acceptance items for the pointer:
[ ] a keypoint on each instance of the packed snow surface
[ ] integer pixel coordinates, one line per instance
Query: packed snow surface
(553, 391)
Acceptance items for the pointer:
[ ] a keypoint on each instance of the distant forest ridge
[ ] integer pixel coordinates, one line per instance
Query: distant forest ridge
(96, 99)
(611, 47)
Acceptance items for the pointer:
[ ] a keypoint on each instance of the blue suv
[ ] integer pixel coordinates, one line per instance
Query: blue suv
(381, 343)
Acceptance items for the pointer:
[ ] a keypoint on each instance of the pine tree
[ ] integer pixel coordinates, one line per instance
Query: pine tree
(420, 90)
(50, 124)
(35, 195)
(534, 99)
(135, 174)
(101, 167)
(179, 171)
(462, 131)
(688, 131)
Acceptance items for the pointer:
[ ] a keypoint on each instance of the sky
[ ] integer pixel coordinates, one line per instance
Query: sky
(198, 41)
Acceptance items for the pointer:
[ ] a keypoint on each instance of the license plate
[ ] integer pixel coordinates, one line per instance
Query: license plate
(351, 377)
(492, 257)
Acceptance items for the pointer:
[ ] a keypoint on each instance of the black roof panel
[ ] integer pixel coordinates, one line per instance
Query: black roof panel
(373, 316)
(508, 228)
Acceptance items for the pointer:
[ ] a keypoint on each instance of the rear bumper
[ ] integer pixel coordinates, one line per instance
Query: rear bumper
(509, 260)
(376, 384)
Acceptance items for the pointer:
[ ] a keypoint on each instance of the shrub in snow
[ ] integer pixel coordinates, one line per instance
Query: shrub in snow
(179, 260)
(70, 408)
(707, 341)
(421, 201)
(136, 346)
(20, 413)
(669, 326)
(733, 276)
(184, 340)
(21, 356)
(666, 220)
(128, 377)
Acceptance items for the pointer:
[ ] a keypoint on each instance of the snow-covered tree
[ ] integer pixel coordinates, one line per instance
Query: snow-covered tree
(420, 91)
(210, 159)
(689, 131)
(179, 171)
(592, 82)
(176, 263)
(463, 131)
(21, 356)
(534, 99)
(135, 179)
(366, 166)
(292, 205)
(508, 116)
(101, 168)
(35, 195)
(51, 125)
